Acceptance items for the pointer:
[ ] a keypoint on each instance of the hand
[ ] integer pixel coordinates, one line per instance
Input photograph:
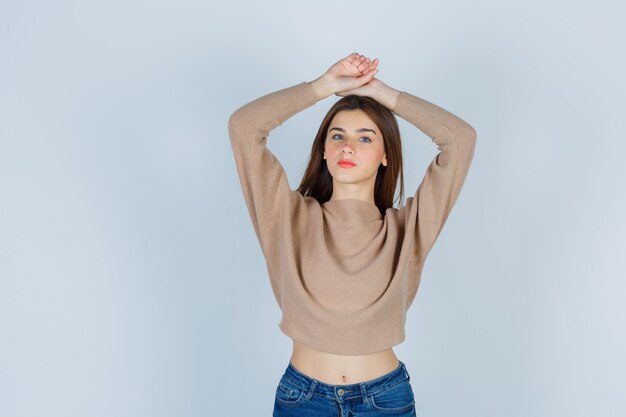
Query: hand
(371, 89)
(377, 90)
(349, 73)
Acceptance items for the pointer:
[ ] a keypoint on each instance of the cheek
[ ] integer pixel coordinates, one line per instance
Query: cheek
(377, 155)
(330, 149)
(381, 154)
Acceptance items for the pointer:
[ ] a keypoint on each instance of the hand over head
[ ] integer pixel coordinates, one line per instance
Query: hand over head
(351, 72)
(377, 90)
(370, 89)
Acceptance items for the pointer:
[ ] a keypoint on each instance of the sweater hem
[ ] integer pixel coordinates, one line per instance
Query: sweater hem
(342, 349)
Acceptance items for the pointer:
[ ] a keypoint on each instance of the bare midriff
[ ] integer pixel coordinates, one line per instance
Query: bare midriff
(335, 369)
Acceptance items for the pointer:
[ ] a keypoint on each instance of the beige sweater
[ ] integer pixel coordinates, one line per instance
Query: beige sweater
(343, 274)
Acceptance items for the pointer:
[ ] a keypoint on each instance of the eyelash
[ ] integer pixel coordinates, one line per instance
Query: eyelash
(337, 134)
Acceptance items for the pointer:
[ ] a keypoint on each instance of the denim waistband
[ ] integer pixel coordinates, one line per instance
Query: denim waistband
(359, 389)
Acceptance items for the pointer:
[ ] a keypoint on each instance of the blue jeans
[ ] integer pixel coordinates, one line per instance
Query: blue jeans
(300, 395)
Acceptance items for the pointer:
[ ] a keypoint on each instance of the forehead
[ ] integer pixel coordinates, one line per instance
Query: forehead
(353, 119)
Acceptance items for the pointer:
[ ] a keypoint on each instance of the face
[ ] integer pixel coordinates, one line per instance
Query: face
(353, 135)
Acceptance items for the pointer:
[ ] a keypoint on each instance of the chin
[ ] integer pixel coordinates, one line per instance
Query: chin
(347, 180)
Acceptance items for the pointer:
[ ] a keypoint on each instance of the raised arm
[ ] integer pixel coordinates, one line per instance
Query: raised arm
(428, 209)
(437, 193)
(263, 180)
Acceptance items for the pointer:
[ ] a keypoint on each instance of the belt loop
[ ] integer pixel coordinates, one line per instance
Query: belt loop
(406, 373)
(364, 394)
(311, 389)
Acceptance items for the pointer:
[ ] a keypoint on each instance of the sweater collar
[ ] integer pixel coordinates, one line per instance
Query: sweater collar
(352, 208)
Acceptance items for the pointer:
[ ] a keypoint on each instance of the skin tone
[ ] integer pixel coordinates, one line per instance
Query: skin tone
(356, 137)
(353, 74)
(348, 139)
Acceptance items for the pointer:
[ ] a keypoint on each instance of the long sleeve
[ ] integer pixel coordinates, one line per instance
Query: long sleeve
(263, 180)
(428, 210)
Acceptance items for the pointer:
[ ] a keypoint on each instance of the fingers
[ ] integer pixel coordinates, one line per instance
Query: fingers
(352, 72)
(370, 72)
(361, 62)
(355, 59)
(372, 67)
(366, 78)
(365, 64)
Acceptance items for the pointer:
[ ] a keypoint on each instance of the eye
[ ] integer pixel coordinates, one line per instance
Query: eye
(367, 140)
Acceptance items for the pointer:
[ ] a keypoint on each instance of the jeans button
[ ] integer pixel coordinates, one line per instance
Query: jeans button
(340, 391)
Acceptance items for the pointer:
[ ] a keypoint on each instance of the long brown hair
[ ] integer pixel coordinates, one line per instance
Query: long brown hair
(317, 181)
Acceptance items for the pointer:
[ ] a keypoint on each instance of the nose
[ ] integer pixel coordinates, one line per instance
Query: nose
(347, 149)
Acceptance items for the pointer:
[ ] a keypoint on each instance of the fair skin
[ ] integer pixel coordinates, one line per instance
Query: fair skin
(353, 136)
(353, 74)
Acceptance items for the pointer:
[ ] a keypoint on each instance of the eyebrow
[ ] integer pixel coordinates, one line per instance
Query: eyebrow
(363, 129)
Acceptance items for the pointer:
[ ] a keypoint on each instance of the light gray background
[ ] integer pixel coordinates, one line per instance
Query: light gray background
(131, 281)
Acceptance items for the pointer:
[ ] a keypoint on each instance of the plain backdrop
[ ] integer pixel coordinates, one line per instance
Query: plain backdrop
(131, 281)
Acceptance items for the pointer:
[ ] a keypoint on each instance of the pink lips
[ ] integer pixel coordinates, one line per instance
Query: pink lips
(346, 163)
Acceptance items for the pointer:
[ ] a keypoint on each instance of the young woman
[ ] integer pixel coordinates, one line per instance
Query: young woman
(343, 263)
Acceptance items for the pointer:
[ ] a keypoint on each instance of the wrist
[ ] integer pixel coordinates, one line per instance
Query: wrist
(321, 87)
(388, 96)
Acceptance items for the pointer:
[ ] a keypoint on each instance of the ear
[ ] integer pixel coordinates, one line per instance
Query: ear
(385, 160)
(324, 154)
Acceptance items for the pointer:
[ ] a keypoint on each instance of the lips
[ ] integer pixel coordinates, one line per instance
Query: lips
(346, 163)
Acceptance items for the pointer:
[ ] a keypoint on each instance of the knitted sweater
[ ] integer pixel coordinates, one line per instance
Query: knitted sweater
(343, 274)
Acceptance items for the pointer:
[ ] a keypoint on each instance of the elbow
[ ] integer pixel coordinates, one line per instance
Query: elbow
(234, 120)
(236, 125)
(468, 134)
(466, 139)
(464, 132)
(472, 134)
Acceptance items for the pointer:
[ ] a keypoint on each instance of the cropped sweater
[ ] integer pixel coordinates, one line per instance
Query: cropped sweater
(343, 274)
